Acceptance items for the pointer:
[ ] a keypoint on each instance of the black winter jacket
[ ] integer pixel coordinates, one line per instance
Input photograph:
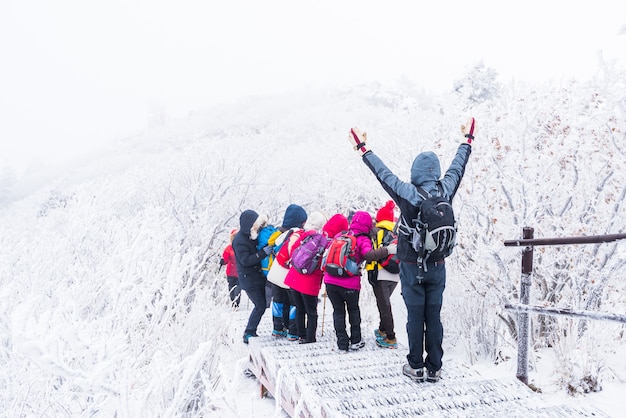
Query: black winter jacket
(247, 256)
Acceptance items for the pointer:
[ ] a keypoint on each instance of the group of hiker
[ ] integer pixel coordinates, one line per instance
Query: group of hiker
(292, 261)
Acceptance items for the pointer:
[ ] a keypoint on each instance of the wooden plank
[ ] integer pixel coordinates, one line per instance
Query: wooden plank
(315, 380)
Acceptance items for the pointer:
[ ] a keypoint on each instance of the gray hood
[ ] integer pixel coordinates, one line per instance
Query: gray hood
(425, 168)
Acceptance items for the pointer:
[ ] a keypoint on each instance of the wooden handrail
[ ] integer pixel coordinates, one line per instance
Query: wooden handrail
(591, 239)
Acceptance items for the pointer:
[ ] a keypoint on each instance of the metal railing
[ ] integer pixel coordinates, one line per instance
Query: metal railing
(523, 309)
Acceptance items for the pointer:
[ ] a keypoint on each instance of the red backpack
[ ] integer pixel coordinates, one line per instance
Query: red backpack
(340, 257)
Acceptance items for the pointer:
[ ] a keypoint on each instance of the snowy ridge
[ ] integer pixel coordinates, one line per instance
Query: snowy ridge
(315, 380)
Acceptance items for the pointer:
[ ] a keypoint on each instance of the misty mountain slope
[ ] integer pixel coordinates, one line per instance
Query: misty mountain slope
(112, 299)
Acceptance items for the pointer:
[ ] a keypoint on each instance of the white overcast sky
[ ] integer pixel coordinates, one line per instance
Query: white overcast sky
(75, 73)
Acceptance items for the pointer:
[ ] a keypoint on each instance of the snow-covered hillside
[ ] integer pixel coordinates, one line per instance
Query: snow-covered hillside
(109, 282)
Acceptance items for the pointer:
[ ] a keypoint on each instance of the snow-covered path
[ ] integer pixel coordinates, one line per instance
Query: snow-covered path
(315, 380)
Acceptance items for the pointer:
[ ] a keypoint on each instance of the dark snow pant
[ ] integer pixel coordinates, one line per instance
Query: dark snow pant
(344, 300)
(383, 290)
(306, 315)
(234, 290)
(423, 299)
(268, 295)
(282, 315)
(257, 296)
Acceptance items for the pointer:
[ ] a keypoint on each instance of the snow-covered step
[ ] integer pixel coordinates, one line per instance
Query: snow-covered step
(316, 380)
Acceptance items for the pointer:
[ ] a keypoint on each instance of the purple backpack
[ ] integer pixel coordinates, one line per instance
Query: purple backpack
(308, 256)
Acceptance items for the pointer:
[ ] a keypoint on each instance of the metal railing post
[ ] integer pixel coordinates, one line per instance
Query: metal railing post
(523, 318)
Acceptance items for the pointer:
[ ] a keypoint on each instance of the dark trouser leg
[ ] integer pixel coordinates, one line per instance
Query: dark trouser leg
(257, 296)
(268, 294)
(434, 285)
(383, 291)
(234, 290)
(280, 307)
(414, 298)
(292, 314)
(310, 305)
(335, 294)
(354, 314)
(298, 301)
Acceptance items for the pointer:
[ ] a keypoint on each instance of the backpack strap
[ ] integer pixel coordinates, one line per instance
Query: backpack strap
(425, 195)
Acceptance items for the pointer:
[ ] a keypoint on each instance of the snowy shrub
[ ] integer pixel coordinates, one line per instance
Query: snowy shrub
(112, 300)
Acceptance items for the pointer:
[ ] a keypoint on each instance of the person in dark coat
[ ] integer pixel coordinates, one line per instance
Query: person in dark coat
(248, 258)
(422, 293)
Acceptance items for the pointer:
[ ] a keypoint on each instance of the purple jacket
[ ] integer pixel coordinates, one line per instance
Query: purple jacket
(361, 224)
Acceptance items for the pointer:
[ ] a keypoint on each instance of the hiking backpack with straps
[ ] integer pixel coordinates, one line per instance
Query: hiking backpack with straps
(434, 233)
(391, 263)
(308, 256)
(340, 257)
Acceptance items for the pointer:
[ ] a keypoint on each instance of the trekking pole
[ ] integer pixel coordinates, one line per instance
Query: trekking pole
(323, 311)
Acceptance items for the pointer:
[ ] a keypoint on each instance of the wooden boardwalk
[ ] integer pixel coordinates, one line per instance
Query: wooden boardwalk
(315, 380)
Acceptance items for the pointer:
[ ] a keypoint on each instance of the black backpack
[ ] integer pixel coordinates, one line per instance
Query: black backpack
(434, 235)
(391, 262)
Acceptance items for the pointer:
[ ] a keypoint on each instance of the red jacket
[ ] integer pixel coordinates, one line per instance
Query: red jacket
(228, 258)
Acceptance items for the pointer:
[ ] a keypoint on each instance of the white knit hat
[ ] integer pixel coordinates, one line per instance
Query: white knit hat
(316, 221)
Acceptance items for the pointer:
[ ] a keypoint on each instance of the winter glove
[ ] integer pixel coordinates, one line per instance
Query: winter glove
(222, 262)
(468, 131)
(268, 249)
(392, 249)
(358, 140)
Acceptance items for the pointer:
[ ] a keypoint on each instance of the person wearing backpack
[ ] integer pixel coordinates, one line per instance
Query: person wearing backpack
(283, 316)
(228, 260)
(248, 259)
(267, 236)
(305, 286)
(344, 291)
(383, 275)
(422, 283)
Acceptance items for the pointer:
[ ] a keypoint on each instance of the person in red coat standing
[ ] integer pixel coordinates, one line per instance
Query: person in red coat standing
(305, 288)
(228, 259)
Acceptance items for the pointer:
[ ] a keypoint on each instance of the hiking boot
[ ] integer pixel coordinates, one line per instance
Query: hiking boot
(247, 337)
(292, 337)
(387, 343)
(357, 346)
(278, 334)
(433, 376)
(417, 375)
(379, 334)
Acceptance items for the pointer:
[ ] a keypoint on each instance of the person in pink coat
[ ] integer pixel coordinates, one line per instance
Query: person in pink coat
(344, 292)
(305, 288)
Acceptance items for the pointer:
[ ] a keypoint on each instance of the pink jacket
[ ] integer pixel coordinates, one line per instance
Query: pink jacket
(310, 284)
(361, 224)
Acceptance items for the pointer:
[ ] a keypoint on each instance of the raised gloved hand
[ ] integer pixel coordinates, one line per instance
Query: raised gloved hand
(392, 249)
(268, 249)
(468, 131)
(358, 140)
